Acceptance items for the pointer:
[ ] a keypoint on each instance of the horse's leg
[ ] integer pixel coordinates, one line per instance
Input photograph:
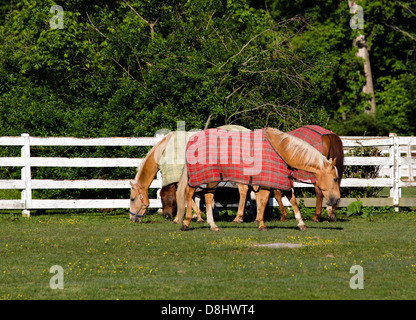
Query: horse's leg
(180, 197)
(262, 198)
(319, 199)
(209, 203)
(278, 197)
(242, 188)
(197, 211)
(291, 196)
(189, 193)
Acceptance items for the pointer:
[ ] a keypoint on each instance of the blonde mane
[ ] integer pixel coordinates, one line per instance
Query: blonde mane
(302, 150)
(155, 152)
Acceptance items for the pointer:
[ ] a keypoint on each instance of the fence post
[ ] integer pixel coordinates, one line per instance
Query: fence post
(26, 176)
(395, 191)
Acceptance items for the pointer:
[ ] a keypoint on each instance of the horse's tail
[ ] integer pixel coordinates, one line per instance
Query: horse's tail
(336, 150)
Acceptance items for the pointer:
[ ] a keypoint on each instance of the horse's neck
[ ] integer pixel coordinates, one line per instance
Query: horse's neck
(280, 143)
(146, 173)
(149, 167)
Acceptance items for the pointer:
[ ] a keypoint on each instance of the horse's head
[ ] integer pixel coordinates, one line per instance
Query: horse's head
(327, 181)
(139, 201)
(168, 197)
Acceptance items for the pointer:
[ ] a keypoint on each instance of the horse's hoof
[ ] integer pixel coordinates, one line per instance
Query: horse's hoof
(283, 219)
(315, 219)
(200, 221)
(215, 229)
(184, 227)
(302, 228)
(237, 221)
(263, 229)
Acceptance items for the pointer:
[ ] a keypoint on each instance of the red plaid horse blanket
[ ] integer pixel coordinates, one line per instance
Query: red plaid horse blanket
(216, 155)
(313, 136)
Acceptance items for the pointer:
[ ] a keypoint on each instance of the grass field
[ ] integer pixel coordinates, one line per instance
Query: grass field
(104, 256)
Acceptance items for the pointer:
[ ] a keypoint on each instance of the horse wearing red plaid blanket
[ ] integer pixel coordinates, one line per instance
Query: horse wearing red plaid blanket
(292, 151)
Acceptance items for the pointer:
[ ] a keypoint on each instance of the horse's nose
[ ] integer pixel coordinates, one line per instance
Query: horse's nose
(167, 214)
(333, 201)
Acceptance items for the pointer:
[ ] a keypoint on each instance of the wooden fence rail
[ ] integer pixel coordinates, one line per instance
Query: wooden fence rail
(396, 163)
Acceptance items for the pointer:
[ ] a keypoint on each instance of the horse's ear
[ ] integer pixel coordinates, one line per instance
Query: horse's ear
(134, 184)
(333, 162)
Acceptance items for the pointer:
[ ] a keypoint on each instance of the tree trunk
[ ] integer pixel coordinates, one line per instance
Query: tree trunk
(363, 52)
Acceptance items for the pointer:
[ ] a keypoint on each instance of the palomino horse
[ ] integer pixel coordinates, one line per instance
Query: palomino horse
(296, 154)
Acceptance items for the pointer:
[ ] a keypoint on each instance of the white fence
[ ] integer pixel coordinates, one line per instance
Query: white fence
(397, 164)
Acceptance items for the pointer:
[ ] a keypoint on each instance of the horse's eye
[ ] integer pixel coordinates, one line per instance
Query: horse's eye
(335, 179)
(132, 199)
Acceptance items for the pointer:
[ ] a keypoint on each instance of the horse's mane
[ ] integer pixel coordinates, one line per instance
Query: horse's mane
(151, 153)
(303, 150)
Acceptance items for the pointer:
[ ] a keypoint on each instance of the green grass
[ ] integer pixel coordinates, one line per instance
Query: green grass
(104, 256)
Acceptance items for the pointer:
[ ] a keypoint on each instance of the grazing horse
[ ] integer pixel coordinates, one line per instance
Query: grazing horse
(293, 151)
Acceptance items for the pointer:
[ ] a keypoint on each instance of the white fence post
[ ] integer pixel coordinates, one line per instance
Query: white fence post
(26, 176)
(395, 153)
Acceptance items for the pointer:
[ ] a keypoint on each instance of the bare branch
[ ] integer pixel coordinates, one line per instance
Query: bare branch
(96, 29)
(242, 49)
(137, 14)
(395, 28)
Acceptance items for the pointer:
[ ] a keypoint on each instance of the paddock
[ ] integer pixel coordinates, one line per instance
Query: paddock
(104, 256)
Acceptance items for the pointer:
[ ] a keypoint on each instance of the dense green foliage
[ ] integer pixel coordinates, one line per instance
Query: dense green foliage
(129, 68)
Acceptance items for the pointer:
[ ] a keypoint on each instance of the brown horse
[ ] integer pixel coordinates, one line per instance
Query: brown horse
(296, 154)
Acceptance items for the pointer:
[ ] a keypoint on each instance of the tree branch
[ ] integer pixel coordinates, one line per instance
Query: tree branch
(242, 49)
(96, 29)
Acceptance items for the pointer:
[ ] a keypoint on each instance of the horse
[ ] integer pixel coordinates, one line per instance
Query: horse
(296, 154)
(332, 148)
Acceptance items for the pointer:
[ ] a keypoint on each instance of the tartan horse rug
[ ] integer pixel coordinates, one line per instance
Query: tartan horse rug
(245, 157)
(312, 135)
